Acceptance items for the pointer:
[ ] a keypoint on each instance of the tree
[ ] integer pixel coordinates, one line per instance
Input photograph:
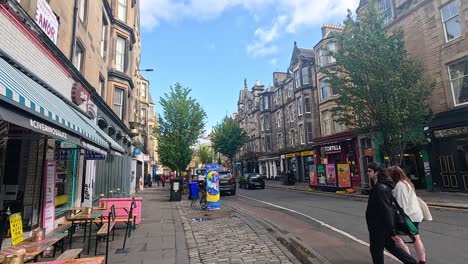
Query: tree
(204, 155)
(381, 88)
(228, 137)
(179, 128)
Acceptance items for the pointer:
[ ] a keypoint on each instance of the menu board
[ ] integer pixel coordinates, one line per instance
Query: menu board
(48, 214)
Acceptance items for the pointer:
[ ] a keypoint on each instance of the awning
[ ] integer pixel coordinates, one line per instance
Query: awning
(114, 145)
(26, 103)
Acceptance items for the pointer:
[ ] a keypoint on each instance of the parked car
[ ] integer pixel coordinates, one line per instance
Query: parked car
(227, 183)
(251, 181)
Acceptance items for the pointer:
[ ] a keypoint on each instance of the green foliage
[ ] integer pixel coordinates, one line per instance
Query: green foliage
(381, 88)
(219, 161)
(204, 155)
(180, 126)
(228, 137)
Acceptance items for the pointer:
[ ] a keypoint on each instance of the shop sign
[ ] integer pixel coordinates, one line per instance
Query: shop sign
(368, 152)
(146, 157)
(344, 175)
(136, 151)
(308, 153)
(48, 214)
(331, 175)
(451, 132)
(290, 155)
(47, 20)
(66, 145)
(45, 128)
(91, 155)
(16, 229)
(332, 148)
(79, 94)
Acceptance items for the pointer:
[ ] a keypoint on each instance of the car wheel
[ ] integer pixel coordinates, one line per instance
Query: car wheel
(233, 192)
(263, 186)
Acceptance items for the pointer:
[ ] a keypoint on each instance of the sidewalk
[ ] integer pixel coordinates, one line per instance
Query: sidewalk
(173, 232)
(436, 199)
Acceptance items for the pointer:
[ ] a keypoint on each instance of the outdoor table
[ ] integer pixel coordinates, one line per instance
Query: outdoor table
(86, 218)
(33, 248)
(91, 260)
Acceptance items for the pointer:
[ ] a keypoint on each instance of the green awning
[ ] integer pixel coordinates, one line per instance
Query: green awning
(26, 103)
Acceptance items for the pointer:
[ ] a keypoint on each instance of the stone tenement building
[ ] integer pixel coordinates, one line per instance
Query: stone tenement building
(280, 120)
(435, 32)
(88, 54)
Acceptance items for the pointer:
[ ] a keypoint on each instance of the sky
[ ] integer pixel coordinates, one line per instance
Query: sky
(210, 46)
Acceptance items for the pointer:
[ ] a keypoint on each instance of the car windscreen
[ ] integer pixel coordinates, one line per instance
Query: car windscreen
(255, 176)
(225, 175)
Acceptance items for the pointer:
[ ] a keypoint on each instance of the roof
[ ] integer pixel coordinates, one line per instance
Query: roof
(306, 53)
(362, 3)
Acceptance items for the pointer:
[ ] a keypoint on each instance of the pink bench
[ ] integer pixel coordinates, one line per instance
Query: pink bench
(122, 206)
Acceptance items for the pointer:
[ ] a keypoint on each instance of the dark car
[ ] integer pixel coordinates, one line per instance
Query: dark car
(227, 183)
(251, 181)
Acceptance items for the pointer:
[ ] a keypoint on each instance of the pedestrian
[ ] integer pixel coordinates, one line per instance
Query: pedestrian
(149, 181)
(380, 217)
(163, 180)
(405, 195)
(157, 178)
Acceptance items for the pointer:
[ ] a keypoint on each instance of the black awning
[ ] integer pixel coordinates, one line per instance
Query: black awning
(27, 120)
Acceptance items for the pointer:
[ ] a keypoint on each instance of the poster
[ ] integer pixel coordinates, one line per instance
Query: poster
(313, 175)
(344, 175)
(322, 180)
(331, 175)
(212, 187)
(16, 227)
(48, 213)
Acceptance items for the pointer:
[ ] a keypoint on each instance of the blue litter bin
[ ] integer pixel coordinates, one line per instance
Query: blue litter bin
(193, 190)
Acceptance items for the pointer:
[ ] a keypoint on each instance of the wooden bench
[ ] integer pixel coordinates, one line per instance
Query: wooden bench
(70, 254)
(105, 230)
(60, 229)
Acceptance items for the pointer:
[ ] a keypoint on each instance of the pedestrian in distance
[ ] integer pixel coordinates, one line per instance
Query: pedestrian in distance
(157, 178)
(380, 217)
(405, 194)
(163, 180)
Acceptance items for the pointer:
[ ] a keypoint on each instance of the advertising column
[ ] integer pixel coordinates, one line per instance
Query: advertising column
(212, 187)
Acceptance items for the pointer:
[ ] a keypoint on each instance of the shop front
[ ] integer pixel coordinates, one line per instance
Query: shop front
(42, 142)
(449, 155)
(270, 167)
(337, 165)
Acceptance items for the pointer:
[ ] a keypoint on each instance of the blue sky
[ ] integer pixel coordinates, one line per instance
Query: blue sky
(210, 46)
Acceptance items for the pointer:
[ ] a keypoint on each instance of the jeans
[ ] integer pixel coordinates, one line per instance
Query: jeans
(377, 244)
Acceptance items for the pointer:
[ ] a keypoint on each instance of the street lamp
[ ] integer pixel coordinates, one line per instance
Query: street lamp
(146, 70)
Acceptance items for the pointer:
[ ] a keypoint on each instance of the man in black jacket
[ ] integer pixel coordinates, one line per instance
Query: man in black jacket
(380, 217)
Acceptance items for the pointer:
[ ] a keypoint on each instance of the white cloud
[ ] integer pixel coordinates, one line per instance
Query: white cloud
(289, 15)
(298, 12)
(262, 44)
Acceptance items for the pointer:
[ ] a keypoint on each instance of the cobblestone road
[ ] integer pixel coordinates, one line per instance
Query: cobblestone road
(229, 239)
